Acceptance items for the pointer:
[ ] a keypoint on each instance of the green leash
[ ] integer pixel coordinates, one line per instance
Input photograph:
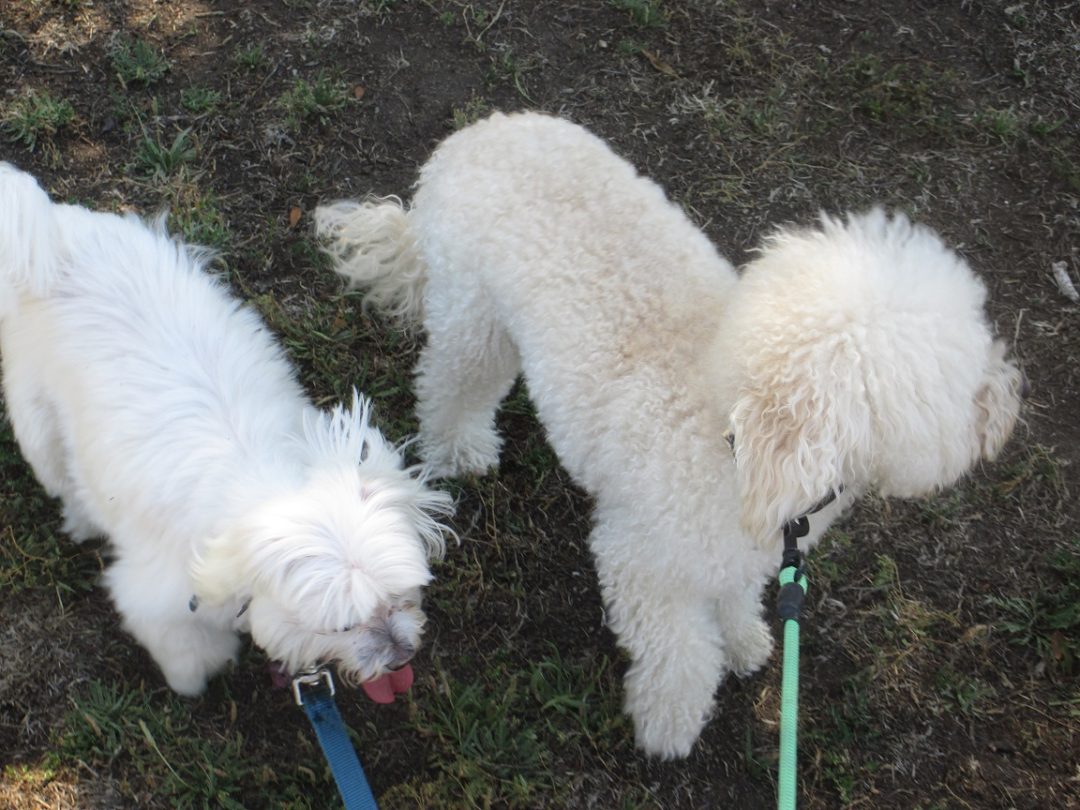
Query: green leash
(789, 606)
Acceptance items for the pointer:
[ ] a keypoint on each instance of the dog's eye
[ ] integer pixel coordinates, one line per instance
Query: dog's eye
(345, 629)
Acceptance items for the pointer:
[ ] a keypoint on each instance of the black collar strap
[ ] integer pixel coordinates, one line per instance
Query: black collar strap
(800, 527)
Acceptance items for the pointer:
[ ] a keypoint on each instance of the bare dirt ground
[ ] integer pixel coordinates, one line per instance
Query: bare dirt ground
(940, 658)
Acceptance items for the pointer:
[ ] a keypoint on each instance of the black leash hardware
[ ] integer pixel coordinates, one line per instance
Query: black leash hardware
(789, 600)
(790, 597)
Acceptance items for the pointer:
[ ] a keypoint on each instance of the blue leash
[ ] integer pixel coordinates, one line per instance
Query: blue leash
(315, 692)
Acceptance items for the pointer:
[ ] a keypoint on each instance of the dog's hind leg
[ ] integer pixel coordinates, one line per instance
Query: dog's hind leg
(672, 635)
(467, 367)
(36, 429)
(41, 442)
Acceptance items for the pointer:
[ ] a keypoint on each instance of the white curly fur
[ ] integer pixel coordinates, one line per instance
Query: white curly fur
(855, 354)
(164, 416)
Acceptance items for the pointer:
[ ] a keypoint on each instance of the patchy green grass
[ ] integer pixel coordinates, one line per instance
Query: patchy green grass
(315, 101)
(470, 112)
(160, 159)
(252, 57)
(840, 738)
(508, 66)
(137, 62)
(37, 117)
(644, 13)
(331, 339)
(114, 725)
(497, 737)
(197, 216)
(200, 100)
(1048, 621)
(971, 696)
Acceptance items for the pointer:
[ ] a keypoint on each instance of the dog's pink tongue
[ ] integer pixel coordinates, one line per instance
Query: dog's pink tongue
(401, 680)
(383, 688)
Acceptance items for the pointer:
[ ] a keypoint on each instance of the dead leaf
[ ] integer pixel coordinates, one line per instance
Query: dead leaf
(294, 216)
(974, 632)
(358, 91)
(660, 64)
(1057, 646)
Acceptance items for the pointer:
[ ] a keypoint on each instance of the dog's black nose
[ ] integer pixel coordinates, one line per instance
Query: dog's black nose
(400, 656)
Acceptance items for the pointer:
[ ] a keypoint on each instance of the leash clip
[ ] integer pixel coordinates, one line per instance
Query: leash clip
(311, 678)
(793, 530)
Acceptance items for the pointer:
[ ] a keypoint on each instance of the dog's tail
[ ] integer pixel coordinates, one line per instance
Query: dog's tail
(30, 238)
(373, 246)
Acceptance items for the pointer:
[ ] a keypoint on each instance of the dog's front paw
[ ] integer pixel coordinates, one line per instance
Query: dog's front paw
(190, 654)
(463, 454)
(668, 716)
(78, 527)
(669, 732)
(188, 680)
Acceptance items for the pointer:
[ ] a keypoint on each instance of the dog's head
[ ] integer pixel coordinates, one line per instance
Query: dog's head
(864, 360)
(332, 570)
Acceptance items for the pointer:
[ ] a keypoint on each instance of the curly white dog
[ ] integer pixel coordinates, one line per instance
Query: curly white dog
(165, 417)
(852, 356)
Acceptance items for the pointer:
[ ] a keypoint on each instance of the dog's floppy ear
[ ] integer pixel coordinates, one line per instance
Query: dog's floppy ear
(304, 575)
(797, 431)
(997, 401)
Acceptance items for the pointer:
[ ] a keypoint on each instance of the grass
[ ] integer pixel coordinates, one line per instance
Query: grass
(497, 736)
(508, 66)
(251, 58)
(838, 739)
(973, 697)
(644, 13)
(1038, 472)
(470, 112)
(113, 725)
(37, 117)
(331, 339)
(1048, 621)
(160, 159)
(137, 62)
(315, 101)
(200, 100)
(761, 119)
(197, 216)
(1005, 125)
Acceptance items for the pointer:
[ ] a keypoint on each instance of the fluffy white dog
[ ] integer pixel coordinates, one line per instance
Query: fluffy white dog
(164, 416)
(852, 356)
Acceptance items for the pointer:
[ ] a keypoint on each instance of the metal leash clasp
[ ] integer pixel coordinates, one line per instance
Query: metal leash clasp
(311, 677)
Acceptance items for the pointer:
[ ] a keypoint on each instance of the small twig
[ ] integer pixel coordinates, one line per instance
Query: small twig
(498, 13)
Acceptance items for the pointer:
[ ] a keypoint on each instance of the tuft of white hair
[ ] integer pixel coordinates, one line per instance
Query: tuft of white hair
(372, 246)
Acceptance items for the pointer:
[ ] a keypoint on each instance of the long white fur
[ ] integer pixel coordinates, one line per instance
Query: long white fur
(166, 417)
(852, 355)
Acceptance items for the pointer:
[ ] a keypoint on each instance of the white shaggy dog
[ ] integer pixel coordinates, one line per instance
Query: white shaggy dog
(852, 356)
(165, 417)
